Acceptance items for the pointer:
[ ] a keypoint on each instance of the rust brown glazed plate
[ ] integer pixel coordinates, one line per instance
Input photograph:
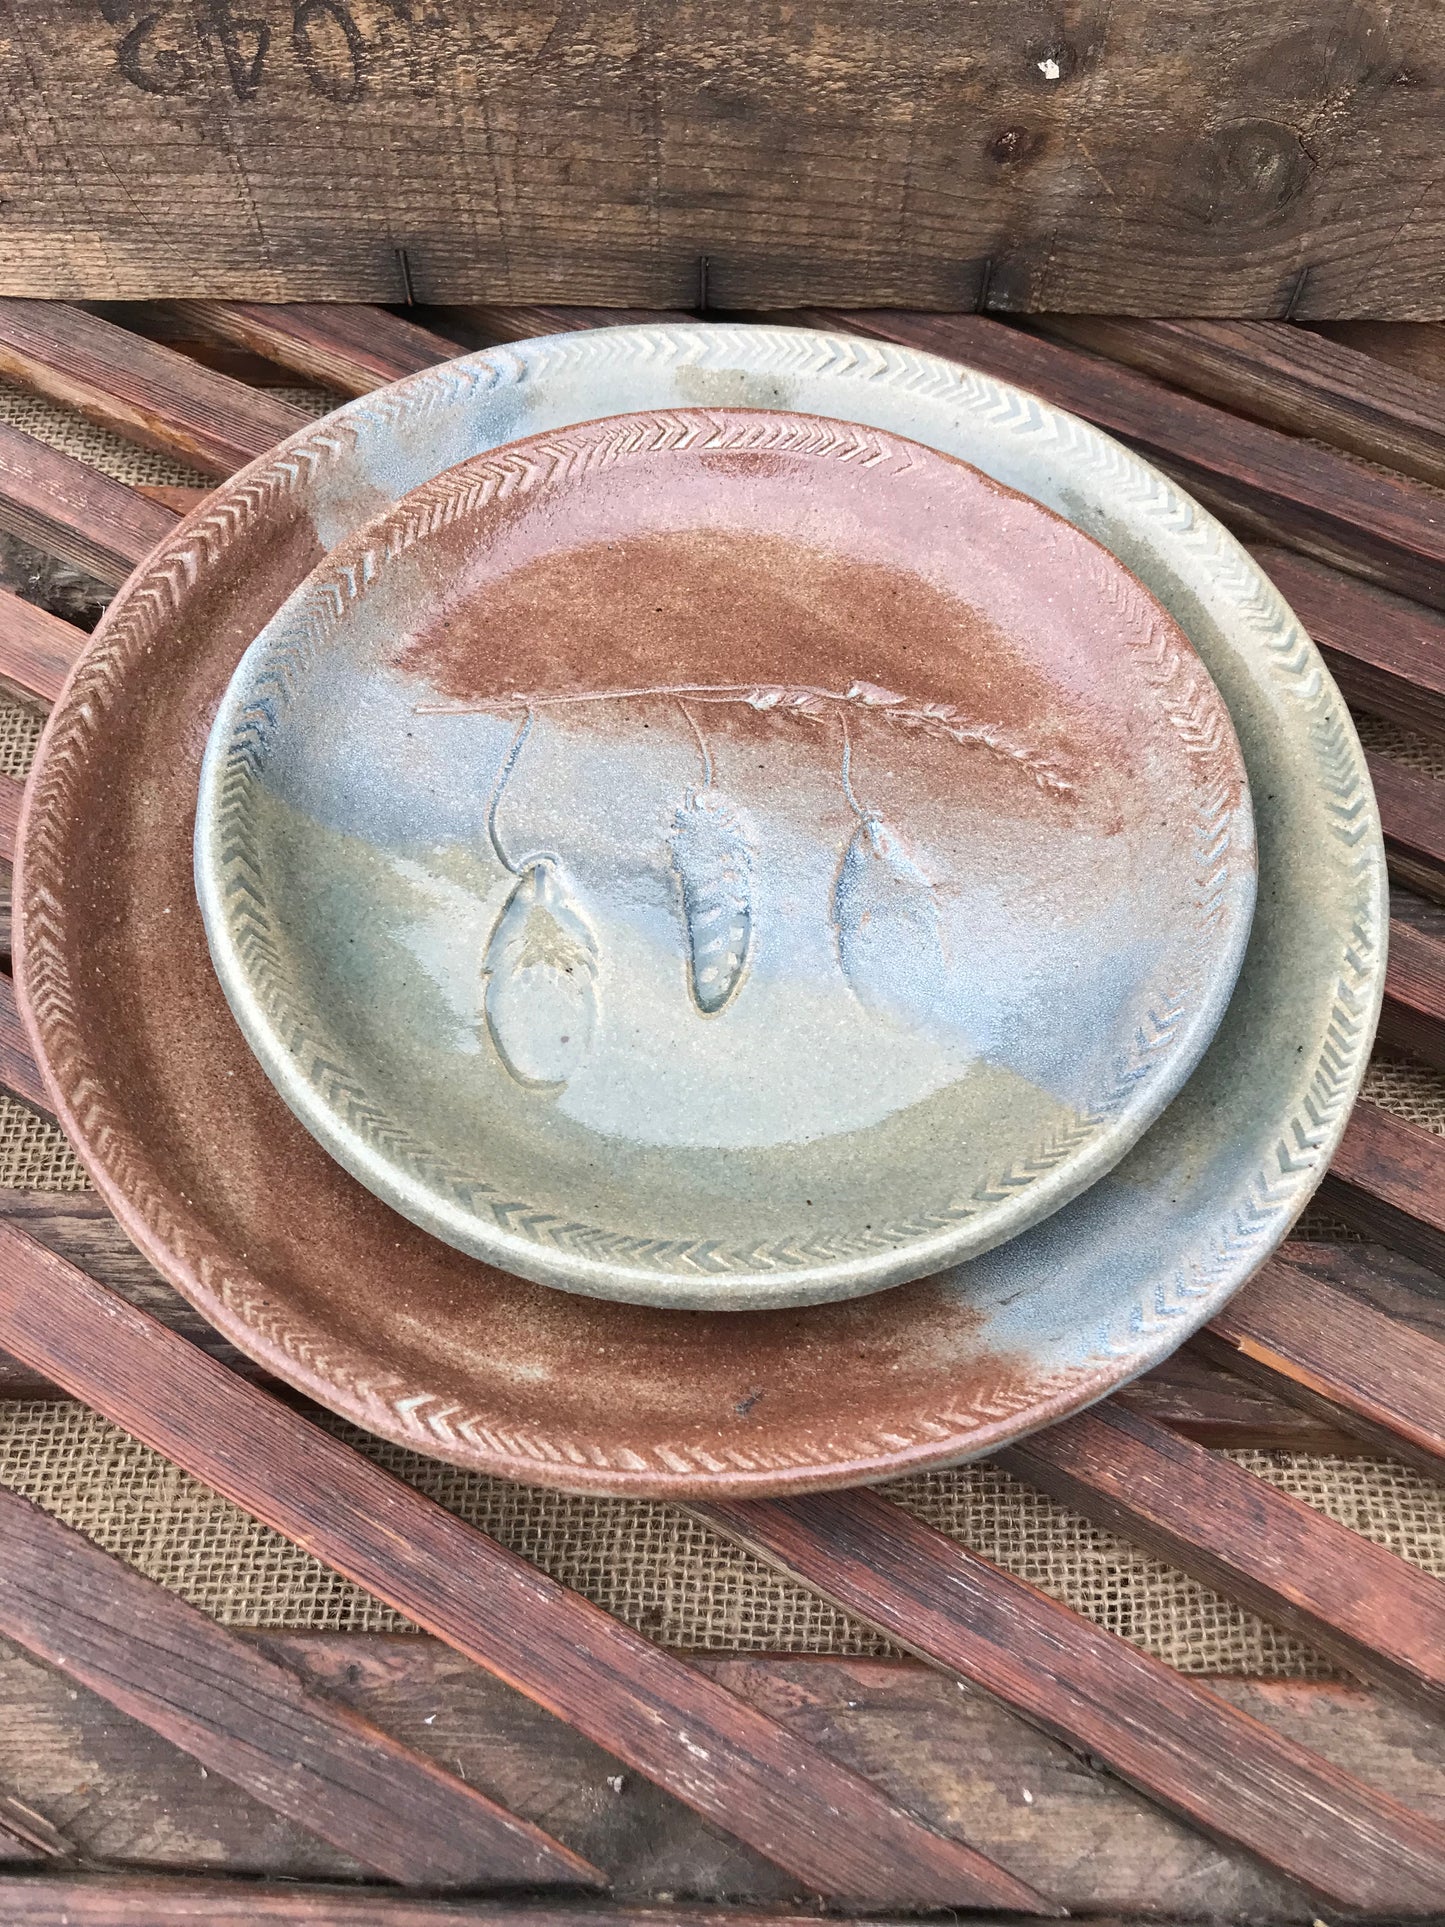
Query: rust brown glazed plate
(307, 1271)
(723, 859)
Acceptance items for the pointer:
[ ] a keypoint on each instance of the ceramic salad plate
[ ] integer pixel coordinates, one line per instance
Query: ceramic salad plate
(720, 858)
(300, 1265)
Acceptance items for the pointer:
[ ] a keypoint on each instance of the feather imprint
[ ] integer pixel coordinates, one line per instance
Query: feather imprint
(714, 861)
(886, 916)
(540, 969)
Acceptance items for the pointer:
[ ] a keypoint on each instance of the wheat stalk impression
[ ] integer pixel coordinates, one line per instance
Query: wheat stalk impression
(808, 703)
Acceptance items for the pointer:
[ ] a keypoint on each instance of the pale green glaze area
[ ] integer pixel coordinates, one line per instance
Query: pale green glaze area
(392, 956)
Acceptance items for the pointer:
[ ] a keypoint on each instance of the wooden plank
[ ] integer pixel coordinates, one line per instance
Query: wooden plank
(79, 1226)
(1416, 347)
(1412, 816)
(248, 1718)
(1388, 1180)
(1229, 1775)
(1285, 376)
(1380, 1617)
(350, 347)
(521, 321)
(37, 649)
(1413, 1017)
(31, 1829)
(11, 793)
(1330, 1353)
(158, 1900)
(1273, 158)
(65, 508)
(941, 1746)
(140, 389)
(19, 1073)
(744, 1772)
(1387, 654)
(1384, 528)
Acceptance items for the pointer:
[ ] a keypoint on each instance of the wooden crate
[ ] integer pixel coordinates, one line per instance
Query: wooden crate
(1276, 159)
(1027, 1758)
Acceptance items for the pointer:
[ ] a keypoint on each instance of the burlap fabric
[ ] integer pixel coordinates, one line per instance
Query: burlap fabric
(652, 1564)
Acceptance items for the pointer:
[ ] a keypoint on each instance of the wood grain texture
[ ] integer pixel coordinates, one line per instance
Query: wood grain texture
(1119, 160)
(1387, 654)
(1286, 376)
(1413, 1017)
(521, 321)
(349, 347)
(64, 508)
(1417, 347)
(1388, 1180)
(141, 389)
(247, 1717)
(140, 1900)
(31, 1830)
(1328, 1351)
(948, 1750)
(79, 1227)
(37, 649)
(1229, 1775)
(742, 1771)
(1380, 1617)
(1372, 524)
(1412, 816)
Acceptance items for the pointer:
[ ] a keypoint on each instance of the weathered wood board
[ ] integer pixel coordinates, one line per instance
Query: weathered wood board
(1199, 158)
(124, 1796)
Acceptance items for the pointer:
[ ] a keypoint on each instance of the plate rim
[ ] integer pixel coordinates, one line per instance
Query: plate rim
(237, 1302)
(384, 1151)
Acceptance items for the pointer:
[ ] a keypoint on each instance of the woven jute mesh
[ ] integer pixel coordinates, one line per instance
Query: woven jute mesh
(663, 1572)
(69, 431)
(653, 1565)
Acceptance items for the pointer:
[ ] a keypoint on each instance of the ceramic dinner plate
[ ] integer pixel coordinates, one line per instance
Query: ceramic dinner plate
(301, 1266)
(721, 858)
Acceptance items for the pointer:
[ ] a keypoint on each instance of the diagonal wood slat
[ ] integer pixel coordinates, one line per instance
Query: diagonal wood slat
(1381, 1617)
(37, 649)
(663, 1718)
(32, 1830)
(1224, 1772)
(190, 1900)
(1388, 1180)
(1383, 527)
(1329, 1351)
(1412, 815)
(1413, 1017)
(141, 389)
(1284, 376)
(250, 1719)
(521, 322)
(1387, 654)
(62, 506)
(348, 346)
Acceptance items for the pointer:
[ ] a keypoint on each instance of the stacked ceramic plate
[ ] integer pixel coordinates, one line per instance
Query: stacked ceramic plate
(767, 910)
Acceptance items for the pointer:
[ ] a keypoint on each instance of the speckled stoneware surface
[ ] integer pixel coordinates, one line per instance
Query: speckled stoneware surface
(724, 859)
(303, 1268)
